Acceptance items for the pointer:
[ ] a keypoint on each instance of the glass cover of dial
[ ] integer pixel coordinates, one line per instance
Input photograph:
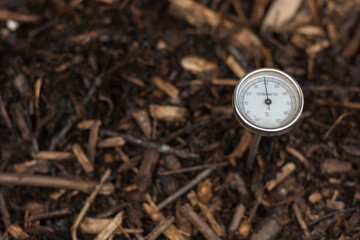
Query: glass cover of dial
(268, 101)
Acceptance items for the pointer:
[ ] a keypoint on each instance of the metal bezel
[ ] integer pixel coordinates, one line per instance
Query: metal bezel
(267, 131)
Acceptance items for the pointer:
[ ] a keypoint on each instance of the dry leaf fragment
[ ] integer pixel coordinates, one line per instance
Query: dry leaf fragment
(197, 64)
(167, 87)
(168, 112)
(111, 142)
(280, 12)
(315, 197)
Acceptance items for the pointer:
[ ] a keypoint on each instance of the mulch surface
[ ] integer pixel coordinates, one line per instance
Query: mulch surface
(116, 120)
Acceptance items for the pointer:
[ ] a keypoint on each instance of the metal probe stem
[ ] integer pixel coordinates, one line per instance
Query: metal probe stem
(253, 150)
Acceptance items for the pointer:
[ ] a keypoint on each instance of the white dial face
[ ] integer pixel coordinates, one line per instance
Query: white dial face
(268, 100)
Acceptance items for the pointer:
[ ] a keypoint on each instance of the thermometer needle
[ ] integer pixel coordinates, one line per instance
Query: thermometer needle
(267, 100)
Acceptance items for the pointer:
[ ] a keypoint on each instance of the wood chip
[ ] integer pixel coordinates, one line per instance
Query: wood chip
(198, 222)
(143, 120)
(33, 166)
(334, 205)
(91, 225)
(311, 31)
(111, 142)
(284, 172)
(83, 159)
(166, 87)
(209, 216)
(160, 228)
(242, 146)
(237, 69)
(280, 12)
(147, 167)
(204, 191)
(110, 227)
(16, 232)
(315, 197)
(93, 138)
(197, 64)
(86, 124)
(335, 166)
(236, 219)
(298, 155)
(269, 230)
(50, 155)
(154, 213)
(168, 112)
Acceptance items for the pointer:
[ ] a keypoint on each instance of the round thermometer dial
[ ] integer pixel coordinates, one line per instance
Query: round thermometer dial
(268, 101)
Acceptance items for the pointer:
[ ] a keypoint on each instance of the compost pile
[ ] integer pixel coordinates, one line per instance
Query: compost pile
(116, 120)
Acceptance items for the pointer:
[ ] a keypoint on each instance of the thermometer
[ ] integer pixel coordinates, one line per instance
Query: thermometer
(268, 102)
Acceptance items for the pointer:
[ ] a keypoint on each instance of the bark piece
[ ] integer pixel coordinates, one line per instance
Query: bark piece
(198, 222)
(240, 149)
(168, 112)
(147, 167)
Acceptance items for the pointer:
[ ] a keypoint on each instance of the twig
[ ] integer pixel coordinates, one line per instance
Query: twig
(186, 188)
(53, 182)
(160, 228)
(5, 114)
(163, 148)
(89, 201)
(313, 222)
(110, 227)
(301, 220)
(195, 168)
(350, 105)
(52, 214)
(338, 120)
(198, 222)
(61, 135)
